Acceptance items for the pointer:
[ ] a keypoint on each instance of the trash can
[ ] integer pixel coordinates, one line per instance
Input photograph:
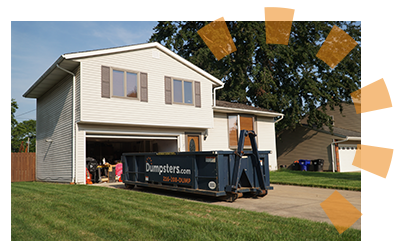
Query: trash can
(295, 165)
(304, 164)
(317, 165)
(111, 174)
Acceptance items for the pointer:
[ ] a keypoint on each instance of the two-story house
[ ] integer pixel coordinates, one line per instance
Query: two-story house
(137, 98)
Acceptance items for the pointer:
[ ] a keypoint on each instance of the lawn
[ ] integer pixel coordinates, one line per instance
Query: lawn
(348, 181)
(48, 212)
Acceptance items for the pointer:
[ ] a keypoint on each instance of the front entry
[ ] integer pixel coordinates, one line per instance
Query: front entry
(192, 143)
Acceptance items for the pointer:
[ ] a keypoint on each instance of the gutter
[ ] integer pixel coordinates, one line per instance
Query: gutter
(248, 111)
(215, 94)
(282, 115)
(73, 123)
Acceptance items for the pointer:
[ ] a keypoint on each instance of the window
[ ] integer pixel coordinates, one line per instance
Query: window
(177, 91)
(124, 83)
(183, 91)
(188, 92)
(131, 84)
(118, 83)
(234, 127)
(233, 130)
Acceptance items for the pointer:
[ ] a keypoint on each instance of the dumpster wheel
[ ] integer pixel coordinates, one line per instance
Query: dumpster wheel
(262, 193)
(129, 186)
(231, 197)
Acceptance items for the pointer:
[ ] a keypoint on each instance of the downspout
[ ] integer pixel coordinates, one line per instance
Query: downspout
(215, 94)
(73, 123)
(332, 155)
(337, 153)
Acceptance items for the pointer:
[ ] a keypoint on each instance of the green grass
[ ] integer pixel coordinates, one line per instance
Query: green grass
(348, 181)
(47, 212)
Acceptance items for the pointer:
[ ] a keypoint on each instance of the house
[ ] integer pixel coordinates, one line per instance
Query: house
(137, 98)
(336, 148)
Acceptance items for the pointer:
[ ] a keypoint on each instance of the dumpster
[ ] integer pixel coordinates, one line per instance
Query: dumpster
(226, 174)
(304, 164)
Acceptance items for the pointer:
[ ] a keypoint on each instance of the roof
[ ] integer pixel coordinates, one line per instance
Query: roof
(67, 61)
(234, 107)
(346, 124)
(336, 131)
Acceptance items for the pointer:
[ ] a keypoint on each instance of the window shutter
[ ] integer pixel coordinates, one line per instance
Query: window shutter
(168, 90)
(197, 95)
(105, 81)
(143, 87)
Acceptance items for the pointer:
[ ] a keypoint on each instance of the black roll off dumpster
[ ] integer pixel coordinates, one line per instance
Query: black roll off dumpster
(227, 174)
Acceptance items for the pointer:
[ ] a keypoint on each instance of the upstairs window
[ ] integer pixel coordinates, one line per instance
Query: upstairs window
(124, 83)
(183, 91)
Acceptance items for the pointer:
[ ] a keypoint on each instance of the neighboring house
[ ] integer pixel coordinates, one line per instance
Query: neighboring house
(337, 149)
(138, 98)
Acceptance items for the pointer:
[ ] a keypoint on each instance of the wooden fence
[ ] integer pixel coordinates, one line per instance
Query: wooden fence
(23, 167)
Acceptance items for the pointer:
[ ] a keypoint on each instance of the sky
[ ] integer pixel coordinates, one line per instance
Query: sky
(36, 45)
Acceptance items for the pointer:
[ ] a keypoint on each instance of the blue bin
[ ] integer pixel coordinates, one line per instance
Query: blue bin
(304, 164)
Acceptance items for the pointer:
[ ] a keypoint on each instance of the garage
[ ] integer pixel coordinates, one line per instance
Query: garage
(103, 152)
(347, 153)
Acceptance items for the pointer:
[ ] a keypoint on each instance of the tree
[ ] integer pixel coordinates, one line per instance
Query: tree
(285, 78)
(22, 131)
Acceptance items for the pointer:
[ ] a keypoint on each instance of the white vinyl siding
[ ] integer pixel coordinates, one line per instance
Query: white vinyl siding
(217, 138)
(153, 112)
(266, 139)
(54, 124)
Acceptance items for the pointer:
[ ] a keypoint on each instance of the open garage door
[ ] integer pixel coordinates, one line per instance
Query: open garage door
(111, 147)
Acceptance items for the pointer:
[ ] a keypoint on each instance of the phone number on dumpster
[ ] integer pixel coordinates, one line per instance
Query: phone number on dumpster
(176, 179)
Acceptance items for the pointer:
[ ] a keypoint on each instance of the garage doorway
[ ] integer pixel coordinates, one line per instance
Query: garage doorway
(111, 147)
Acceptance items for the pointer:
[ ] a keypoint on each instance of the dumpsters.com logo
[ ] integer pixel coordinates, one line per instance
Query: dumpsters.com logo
(168, 169)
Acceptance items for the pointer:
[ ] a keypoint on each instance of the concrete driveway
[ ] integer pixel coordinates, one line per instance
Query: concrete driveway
(296, 201)
(284, 200)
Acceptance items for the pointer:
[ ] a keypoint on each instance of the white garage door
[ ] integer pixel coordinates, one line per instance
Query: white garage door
(346, 157)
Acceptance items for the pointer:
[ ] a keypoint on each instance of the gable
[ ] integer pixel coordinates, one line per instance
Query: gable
(71, 60)
(160, 52)
(156, 72)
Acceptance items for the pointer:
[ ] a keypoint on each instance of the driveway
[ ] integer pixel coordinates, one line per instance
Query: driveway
(284, 200)
(296, 201)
